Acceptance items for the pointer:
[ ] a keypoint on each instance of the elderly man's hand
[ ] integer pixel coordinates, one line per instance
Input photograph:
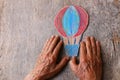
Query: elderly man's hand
(46, 66)
(90, 66)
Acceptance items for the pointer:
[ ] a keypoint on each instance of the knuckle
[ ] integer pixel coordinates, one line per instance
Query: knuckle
(93, 47)
(52, 61)
(83, 65)
(49, 51)
(82, 43)
(100, 62)
(90, 57)
(54, 58)
(89, 46)
(47, 54)
(84, 61)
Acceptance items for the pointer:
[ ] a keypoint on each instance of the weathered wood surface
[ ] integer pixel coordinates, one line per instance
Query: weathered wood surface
(26, 24)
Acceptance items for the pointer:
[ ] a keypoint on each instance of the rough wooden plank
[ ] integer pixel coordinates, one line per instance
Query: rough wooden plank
(24, 27)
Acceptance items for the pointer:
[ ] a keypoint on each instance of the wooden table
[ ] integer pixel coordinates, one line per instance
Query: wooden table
(26, 24)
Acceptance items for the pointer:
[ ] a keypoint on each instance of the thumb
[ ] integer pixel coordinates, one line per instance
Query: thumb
(73, 64)
(58, 68)
(62, 63)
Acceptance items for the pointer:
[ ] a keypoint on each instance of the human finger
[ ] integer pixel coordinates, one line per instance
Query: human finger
(49, 42)
(83, 52)
(73, 64)
(62, 63)
(57, 48)
(44, 47)
(98, 49)
(89, 48)
(54, 43)
(93, 44)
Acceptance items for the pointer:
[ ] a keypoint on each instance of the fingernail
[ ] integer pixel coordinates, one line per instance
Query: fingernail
(88, 38)
(47, 40)
(52, 36)
(98, 42)
(82, 42)
(56, 35)
(92, 37)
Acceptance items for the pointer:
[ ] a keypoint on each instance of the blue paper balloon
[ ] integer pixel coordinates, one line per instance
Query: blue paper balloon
(71, 21)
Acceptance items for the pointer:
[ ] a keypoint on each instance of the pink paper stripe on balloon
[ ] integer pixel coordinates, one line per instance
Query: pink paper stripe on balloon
(58, 21)
(83, 21)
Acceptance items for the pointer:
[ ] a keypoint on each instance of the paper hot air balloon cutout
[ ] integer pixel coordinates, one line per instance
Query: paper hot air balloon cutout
(71, 22)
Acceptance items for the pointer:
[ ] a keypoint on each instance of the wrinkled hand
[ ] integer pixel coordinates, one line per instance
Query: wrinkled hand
(46, 66)
(90, 64)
